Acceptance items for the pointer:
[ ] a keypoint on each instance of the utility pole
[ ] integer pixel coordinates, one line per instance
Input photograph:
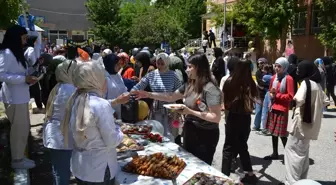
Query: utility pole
(224, 23)
(24, 13)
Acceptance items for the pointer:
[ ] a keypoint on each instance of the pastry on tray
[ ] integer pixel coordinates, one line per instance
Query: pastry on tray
(129, 144)
(140, 129)
(207, 179)
(156, 165)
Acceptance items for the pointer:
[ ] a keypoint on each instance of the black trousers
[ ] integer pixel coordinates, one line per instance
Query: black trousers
(35, 93)
(212, 41)
(200, 142)
(237, 132)
(331, 91)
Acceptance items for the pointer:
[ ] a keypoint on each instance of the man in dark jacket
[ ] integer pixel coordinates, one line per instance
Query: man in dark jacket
(292, 59)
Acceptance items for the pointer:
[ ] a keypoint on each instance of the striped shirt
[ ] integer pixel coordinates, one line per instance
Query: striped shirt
(159, 82)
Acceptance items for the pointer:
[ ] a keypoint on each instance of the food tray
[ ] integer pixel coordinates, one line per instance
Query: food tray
(126, 149)
(156, 175)
(125, 131)
(220, 180)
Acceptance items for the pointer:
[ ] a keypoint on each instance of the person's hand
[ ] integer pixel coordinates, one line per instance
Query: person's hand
(135, 78)
(141, 94)
(123, 98)
(41, 60)
(31, 79)
(272, 95)
(184, 111)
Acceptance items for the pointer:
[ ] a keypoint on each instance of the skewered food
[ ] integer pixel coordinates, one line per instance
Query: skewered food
(207, 179)
(156, 165)
(135, 129)
(129, 144)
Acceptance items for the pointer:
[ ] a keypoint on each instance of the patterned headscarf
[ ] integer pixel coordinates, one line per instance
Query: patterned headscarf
(63, 75)
(87, 77)
(284, 64)
(84, 56)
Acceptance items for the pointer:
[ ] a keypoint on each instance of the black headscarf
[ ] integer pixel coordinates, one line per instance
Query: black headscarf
(307, 70)
(12, 40)
(110, 62)
(31, 41)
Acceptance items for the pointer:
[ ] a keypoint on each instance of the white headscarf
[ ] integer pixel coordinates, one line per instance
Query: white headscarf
(63, 75)
(165, 58)
(87, 77)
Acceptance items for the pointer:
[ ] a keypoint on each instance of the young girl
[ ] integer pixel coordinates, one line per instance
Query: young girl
(268, 73)
(281, 94)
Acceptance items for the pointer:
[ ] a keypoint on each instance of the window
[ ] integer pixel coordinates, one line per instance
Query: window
(57, 34)
(90, 35)
(299, 23)
(315, 25)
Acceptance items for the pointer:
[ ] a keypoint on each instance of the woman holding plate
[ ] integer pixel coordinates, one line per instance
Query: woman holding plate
(202, 108)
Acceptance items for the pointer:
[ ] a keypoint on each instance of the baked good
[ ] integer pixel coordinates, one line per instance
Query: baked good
(129, 144)
(135, 129)
(207, 179)
(156, 165)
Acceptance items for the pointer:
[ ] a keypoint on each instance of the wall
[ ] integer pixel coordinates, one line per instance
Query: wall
(61, 14)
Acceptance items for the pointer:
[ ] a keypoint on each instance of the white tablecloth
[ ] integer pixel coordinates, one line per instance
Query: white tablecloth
(194, 165)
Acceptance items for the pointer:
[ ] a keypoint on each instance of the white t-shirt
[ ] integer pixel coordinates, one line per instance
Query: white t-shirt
(204, 43)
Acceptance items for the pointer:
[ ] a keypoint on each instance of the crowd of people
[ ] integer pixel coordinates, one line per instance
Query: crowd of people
(83, 89)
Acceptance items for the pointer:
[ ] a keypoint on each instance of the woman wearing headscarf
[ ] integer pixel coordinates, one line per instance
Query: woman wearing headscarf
(281, 94)
(30, 51)
(306, 123)
(320, 66)
(330, 67)
(293, 61)
(114, 81)
(52, 135)
(127, 70)
(15, 93)
(34, 69)
(160, 80)
(218, 66)
(83, 55)
(95, 135)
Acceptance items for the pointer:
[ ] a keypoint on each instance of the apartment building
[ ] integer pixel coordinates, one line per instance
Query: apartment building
(304, 31)
(62, 19)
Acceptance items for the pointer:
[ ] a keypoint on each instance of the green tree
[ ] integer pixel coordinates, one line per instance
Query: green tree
(154, 25)
(327, 20)
(218, 14)
(269, 19)
(104, 15)
(9, 12)
(187, 12)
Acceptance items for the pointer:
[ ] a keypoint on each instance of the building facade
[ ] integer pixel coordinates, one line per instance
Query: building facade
(61, 19)
(303, 33)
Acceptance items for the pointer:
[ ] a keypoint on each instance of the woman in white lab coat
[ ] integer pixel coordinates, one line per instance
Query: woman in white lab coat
(90, 118)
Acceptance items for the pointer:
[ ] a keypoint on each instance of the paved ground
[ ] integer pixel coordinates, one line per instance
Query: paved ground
(322, 153)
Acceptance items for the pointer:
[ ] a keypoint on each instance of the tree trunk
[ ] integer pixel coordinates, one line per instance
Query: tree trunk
(283, 39)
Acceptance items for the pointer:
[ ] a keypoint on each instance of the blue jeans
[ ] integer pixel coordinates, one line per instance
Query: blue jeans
(60, 161)
(257, 118)
(264, 112)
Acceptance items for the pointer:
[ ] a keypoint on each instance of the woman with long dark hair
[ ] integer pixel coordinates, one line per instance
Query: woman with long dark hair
(240, 93)
(202, 108)
(15, 93)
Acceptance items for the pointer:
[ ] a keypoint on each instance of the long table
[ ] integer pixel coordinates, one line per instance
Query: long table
(194, 165)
